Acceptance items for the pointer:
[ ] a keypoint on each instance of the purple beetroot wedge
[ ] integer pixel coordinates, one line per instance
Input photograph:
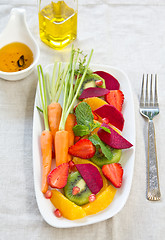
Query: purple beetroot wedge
(91, 176)
(114, 116)
(113, 139)
(110, 82)
(93, 92)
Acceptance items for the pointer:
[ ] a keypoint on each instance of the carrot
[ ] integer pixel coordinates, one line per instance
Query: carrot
(70, 122)
(61, 146)
(46, 138)
(46, 141)
(54, 90)
(54, 116)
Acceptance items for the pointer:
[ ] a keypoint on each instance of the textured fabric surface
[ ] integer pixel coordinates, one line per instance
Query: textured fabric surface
(127, 34)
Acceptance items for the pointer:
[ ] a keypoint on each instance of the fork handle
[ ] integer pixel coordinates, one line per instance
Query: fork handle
(153, 193)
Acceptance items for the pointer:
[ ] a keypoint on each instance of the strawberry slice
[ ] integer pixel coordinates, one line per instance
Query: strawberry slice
(115, 98)
(114, 173)
(57, 178)
(84, 148)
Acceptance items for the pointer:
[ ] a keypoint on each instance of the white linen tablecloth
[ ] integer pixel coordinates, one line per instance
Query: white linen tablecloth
(129, 35)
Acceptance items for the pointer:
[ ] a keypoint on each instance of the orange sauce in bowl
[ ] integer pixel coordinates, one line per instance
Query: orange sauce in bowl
(15, 57)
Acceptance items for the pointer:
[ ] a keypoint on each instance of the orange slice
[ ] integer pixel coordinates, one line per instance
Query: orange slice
(84, 161)
(103, 199)
(68, 209)
(95, 102)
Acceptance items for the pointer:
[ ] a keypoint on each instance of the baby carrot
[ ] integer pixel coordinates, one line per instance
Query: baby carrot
(46, 138)
(54, 91)
(54, 116)
(61, 148)
(70, 122)
(46, 141)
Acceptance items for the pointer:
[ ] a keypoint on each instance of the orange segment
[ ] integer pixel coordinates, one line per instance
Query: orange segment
(68, 209)
(95, 102)
(103, 199)
(84, 161)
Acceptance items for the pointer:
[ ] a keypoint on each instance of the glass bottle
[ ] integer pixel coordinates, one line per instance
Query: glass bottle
(58, 22)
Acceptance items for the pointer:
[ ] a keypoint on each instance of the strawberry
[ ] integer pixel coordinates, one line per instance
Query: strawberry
(114, 173)
(115, 98)
(84, 148)
(57, 178)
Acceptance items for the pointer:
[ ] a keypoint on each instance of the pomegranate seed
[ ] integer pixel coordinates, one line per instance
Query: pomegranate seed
(105, 120)
(48, 194)
(57, 213)
(92, 198)
(72, 166)
(75, 190)
(99, 83)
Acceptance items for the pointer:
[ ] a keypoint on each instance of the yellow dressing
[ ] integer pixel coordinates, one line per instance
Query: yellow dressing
(15, 57)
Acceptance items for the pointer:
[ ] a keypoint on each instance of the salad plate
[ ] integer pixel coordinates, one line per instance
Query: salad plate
(45, 206)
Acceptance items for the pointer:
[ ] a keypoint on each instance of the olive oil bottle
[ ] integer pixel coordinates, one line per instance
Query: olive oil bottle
(58, 22)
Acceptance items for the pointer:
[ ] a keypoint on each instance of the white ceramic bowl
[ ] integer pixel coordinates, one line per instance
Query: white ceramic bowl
(18, 31)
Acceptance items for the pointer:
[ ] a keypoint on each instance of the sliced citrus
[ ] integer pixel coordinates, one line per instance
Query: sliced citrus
(68, 209)
(103, 199)
(95, 102)
(84, 161)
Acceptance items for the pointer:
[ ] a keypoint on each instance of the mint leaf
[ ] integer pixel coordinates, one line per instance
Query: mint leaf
(84, 114)
(105, 129)
(104, 148)
(81, 130)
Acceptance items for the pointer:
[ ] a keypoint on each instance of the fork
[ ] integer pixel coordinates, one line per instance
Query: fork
(149, 108)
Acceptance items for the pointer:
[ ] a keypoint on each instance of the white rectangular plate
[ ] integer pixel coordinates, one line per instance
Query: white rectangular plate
(45, 206)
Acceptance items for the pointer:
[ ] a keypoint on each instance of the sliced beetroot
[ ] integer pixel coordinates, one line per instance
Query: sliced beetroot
(93, 92)
(110, 82)
(91, 176)
(114, 116)
(113, 139)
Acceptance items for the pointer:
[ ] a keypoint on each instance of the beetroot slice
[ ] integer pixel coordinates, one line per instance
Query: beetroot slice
(93, 92)
(114, 116)
(110, 82)
(91, 176)
(113, 139)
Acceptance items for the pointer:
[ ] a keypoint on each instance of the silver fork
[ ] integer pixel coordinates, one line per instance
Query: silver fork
(149, 108)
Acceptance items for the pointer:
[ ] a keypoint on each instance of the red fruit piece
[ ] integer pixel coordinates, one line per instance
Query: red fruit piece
(75, 190)
(110, 82)
(57, 178)
(113, 139)
(105, 120)
(76, 139)
(57, 213)
(114, 173)
(93, 92)
(91, 176)
(84, 148)
(48, 194)
(72, 166)
(114, 116)
(92, 198)
(115, 98)
(99, 83)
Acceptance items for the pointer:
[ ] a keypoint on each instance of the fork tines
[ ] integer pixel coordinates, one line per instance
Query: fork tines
(147, 99)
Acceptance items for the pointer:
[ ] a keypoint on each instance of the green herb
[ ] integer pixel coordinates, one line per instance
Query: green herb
(104, 148)
(84, 117)
(84, 114)
(70, 94)
(81, 130)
